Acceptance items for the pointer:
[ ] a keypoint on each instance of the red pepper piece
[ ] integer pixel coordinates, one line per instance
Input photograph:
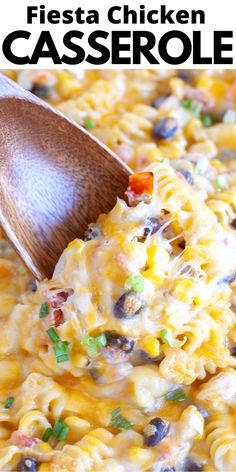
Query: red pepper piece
(58, 317)
(56, 300)
(140, 188)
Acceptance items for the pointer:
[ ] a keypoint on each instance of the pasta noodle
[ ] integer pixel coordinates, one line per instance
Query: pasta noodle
(126, 359)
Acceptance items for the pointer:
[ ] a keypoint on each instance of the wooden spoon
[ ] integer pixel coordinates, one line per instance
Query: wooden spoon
(55, 178)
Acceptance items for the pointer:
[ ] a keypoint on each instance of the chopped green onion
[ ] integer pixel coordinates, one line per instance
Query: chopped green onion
(22, 270)
(229, 117)
(202, 166)
(186, 103)
(47, 434)
(196, 108)
(64, 432)
(177, 395)
(165, 161)
(167, 338)
(53, 335)
(220, 183)
(136, 283)
(94, 343)
(8, 402)
(89, 123)
(118, 421)
(60, 430)
(206, 121)
(61, 351)
(44, 310)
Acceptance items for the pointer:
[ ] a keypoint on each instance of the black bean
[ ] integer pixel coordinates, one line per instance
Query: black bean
(33, 285)
(192, 466)
(152, 225)
(166, 128)
(119, 342)
(187, 175)
(93, 232)
(186, 76)
(229, 279)
(233, 351)
(233, 223)
(158, 101)
(42, 91)
(168, 469)
(28, 464)
(140, 357)
(128, 305)
(155, 432)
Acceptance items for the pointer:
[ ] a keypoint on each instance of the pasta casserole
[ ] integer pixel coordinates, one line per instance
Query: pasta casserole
(126, 360)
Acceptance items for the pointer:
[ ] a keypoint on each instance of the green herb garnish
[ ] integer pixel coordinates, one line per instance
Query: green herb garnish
(118, 421)
(8, 402)
(186, 103)
(89, 123)
(167, 338)
(61, 348)
(60, 430)
(196, 108)
(202, 166)
(61, 351)
(177, 395)
(220, 183)
(94, 343)
(44, 310)
(53, 335)
(47, 434)
(136, 283)
(206, 121)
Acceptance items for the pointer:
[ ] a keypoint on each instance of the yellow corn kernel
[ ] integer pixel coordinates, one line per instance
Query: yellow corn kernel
(184, 290)
(43, 447)
(218, 165)
(219, 89)
(44, 467)
(151, 346)
(176, 226)
(77, 243)
(156, 275)
(169, 151)
(193, 253)
(194, 130)
(157, 255)
(67, 85)
(198, 300)
(205, 82)
(216, 313)
(139, 454)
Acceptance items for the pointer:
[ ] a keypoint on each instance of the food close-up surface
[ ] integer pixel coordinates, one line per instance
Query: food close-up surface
(125, 360)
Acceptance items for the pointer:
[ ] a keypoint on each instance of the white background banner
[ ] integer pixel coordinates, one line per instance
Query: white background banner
(134, 44)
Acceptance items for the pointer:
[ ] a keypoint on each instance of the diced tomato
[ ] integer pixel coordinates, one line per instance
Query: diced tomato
(203, 96)
(23, 440)
(140, 188)
(56, 300)
(58, 317)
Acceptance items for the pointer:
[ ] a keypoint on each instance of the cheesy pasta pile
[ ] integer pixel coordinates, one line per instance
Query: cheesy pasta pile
(126, 359)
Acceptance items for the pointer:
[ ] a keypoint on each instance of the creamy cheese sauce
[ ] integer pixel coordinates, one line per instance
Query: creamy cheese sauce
(126, 359)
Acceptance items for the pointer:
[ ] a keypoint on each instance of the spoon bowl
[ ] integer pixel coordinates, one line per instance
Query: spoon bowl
(55, 178)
